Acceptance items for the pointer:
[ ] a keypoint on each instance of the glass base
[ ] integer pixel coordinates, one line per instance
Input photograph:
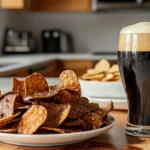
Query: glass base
(134, 130)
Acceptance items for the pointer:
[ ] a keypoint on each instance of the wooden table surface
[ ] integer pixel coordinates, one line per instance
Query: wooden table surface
(114, 139)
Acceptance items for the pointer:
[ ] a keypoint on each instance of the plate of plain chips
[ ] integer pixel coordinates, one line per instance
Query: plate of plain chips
(37, 114)
(103, 72)
(102, 81)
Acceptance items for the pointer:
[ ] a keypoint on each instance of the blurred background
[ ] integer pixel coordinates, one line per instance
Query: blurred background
(65, 26)
(93, 25)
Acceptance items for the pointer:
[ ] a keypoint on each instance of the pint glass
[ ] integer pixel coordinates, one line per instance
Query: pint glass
(134, 65)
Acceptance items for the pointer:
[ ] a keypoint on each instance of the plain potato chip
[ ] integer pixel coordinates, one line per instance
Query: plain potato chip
(61, 131)
(96, 76)
(57, 113)
(85, 76)
(116, 78)
(35, 83)
(32, 119)
(69, 81)
(88, 76)
(18, 87)
(102, 71)
(116, 74)
(7, 120)
(119, 80)
(102, 66)
(92, 71)
(108, 77)
(114, 68)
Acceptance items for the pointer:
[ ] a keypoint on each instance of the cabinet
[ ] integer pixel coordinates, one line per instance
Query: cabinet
(64, 5)
(44, 68)
(53, 68)
(19, 4)
(47, 5)
(78, 66)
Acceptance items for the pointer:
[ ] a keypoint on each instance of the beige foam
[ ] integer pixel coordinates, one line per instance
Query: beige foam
(141, 27)
(135, 37)
(134, 42)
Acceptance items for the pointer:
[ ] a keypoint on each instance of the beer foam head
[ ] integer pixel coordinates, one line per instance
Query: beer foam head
(135, 37)
(141, 27)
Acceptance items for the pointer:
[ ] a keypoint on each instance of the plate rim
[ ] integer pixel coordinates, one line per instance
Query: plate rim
(108, 82)
(62, 135)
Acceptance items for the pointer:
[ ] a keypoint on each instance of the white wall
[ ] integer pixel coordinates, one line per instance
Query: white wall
(90, 31)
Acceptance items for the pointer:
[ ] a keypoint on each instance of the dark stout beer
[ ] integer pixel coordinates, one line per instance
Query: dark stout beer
(134, 64)
(135, 74)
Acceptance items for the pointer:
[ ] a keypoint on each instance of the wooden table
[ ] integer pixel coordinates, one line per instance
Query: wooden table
(115, 139)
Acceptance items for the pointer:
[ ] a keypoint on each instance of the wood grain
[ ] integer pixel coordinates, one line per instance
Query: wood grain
(65, 5)
(53, 68)
(115, 139)
(15, 4)
(47, 5)
(78, 66)
(32, 5)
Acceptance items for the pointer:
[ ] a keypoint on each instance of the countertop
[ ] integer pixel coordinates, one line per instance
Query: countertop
(10, 63)
(114, 139)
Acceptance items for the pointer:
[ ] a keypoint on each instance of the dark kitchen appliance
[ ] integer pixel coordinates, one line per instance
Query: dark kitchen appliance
(18, 42)
(56, 41)
(99, 5)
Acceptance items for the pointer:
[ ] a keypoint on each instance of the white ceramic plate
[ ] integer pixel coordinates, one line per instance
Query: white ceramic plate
(120, 103)
(55, 139)
(97, 89)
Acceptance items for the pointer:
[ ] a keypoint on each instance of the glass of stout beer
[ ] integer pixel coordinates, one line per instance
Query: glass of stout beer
(134, 65)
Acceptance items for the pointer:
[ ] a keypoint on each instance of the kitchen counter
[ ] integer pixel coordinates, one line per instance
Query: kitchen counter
(114, 139)
(11, 63)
